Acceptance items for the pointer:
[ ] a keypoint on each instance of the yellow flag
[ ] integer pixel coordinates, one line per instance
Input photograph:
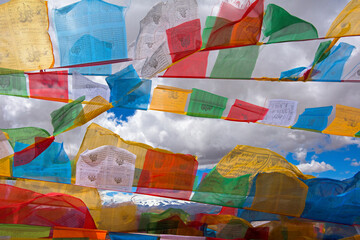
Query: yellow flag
(347, 22)
(121, 218)
(24, 40)
(346, 121)
(169, 99)
(252, 160)
(279, 193)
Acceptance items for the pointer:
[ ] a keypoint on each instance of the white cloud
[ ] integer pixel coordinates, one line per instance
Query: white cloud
(347, 159)
(355, 163)
(315, 167)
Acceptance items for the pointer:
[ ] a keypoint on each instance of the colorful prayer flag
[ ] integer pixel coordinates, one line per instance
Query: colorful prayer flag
(169, 99)
(313, 119)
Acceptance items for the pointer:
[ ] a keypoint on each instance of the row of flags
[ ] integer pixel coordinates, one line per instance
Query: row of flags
(170, 35)
(125, 89)
(247, 177)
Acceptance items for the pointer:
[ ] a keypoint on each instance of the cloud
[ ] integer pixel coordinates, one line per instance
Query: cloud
(347, 159)
(355, 163)
(315, 167)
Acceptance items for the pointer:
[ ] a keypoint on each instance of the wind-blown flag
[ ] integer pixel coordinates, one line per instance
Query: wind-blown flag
(281, 112)
(82, 86)
(169, 99)
(346, 121)
(205, 104)
(25, 43)
(234, 26)
(25, 135)
(347, 22)
(13, 84)
(246, 112)
(328, 64)
(280, 26)
(91, 31)
(313, 119)
(6, 151)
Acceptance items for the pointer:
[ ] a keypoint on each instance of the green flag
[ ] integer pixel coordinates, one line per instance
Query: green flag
(25, 135)
(13, 84)
(63, 118)
(281, 26)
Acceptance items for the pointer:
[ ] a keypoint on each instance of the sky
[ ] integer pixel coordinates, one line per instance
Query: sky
(210, 139)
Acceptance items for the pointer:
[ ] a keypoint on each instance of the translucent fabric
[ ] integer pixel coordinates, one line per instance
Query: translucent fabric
(130, 236)
(119, 218)
(82, 86)
(90, 196)
(347, 22)
(184, 39)
(49, 85)
(106, 167)
(169, 99)
(148, 220)
(127, 89)
(13, 85)
(52, 165)
(177, 237)
(91, 31)
(235, 62)
(252, 160)
(167, 174)
(281, 112)
(21, 206)
(331, 68)
(280, 193)
(25, 135)
(63, 118)
(219, 190)
(205, 104)
(234, 26)
(73, 114)
(24, 40)
(346, 122)
(313, 119)
(24, 231)
(97, 136)
(6, 152)
(246, 112)
(194, 65)
(61, 232)
(280, 26)
(29, 153)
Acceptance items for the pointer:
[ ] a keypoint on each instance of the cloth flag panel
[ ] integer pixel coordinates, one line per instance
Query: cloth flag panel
(205, 104)
(347, 22)
(125, 213)
(234, 26)
(139, 98)
(313, 119)
(246, 112)
(280, 193)
(24, 231)
(52, 165)
(63, 118)
(169, 99)
(235, 62)
(167, 174)
(13, 84)
(24, 40)
(184, 39)
(346, 121)
(281, 112)
(91, 31)
(194, 65)
(25, 135)
(252, 160)
(331, 68)
(280, 26)
(73, 233)
(106, 167)
(82, 86)
(177, 237)
(29, 153)
(131, 236)
(21, 206)
(219, 190)
(49, 85)
(6, 151)
(90, 196)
